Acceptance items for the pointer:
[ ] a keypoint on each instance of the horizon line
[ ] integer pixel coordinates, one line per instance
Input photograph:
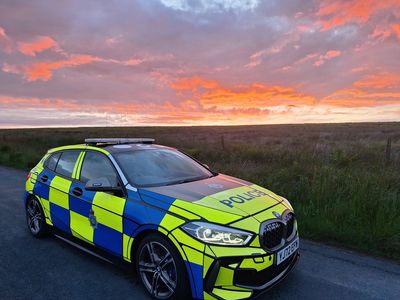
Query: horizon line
(183, 126)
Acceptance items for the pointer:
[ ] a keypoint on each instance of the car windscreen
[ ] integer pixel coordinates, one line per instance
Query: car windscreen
(159, 167)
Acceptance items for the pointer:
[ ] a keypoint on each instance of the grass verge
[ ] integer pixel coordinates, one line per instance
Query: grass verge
(342, 179)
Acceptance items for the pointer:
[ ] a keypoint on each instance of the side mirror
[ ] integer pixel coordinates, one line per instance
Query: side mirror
(101, 184)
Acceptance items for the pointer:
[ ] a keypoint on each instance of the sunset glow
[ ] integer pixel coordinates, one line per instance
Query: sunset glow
(216, 62)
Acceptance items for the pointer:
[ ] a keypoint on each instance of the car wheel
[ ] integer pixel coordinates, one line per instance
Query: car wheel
(161, 269)
(35, 218)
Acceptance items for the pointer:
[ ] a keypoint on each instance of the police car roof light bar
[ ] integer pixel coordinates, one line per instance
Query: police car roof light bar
(117, 141)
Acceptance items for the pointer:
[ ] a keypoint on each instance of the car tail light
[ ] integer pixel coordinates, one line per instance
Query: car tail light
(28, 176)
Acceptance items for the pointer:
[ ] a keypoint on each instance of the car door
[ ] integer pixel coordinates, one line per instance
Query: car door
(59, 189)
(43, 181)
(97, 217)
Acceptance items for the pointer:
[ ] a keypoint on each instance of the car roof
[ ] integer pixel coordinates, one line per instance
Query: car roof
(107, 149)
(130, 147)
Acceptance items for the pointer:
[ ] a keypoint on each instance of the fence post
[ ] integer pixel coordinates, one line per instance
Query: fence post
(222, 142)
(388, 150)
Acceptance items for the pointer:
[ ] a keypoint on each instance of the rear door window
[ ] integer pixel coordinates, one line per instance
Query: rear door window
(66, 163)
(51, 162)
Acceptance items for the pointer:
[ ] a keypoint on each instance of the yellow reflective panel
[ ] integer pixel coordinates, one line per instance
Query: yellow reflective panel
(249, 224)
(208, 251)
(30, 184)
(236, 288)
(170, 222)
(193, 256)
(48, 222)
(108, 218)
(76, 171)
(207, 261)
(186, 239)
(181, 212)
(267, 214)
(234, 265)
(269, 192)
(256, 242)
(46, 207)
(210, 214)
(207, 296)
(41, 162)
(70, 147)
(110, 202)
(236, 251)
(127, 245)
(80, 227)
(232, 295)
(225, 277)
(59, 189)
(162, 230)
(242, 200)
(257, 263)
(177, 246)
(97, 149)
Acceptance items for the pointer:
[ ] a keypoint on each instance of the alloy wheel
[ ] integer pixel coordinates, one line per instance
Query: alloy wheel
(34, 216)
(157, 269)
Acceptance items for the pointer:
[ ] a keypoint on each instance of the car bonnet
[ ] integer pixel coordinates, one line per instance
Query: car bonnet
(236, 198)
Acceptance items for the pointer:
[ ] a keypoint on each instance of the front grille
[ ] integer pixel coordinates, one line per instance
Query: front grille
(252, 278)
(273, 234)
(289, 218)
(276, 232)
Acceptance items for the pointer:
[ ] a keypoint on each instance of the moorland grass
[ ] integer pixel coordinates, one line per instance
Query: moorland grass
(342, 182)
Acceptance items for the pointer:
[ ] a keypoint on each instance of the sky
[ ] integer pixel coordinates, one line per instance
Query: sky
(188, 62)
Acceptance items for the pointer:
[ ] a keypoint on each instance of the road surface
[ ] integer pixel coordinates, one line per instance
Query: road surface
(52, 269)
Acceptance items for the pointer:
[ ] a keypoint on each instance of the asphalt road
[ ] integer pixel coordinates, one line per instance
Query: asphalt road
(52, 269)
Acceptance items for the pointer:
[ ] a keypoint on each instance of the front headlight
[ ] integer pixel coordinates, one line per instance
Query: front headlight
(218, 235)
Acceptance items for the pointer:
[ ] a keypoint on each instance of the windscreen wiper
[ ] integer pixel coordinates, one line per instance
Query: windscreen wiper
(187, 180)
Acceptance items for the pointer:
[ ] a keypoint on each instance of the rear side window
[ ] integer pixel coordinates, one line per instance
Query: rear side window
(51, 162)
(96, 165)
(66, 163)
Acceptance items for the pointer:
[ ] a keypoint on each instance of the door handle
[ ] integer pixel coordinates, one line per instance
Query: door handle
(77, 191)
(44, 178)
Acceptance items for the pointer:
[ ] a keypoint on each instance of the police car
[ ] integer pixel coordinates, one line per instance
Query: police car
(188, 231)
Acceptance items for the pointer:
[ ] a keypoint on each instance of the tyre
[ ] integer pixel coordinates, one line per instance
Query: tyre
(161, 268)
(35, 218)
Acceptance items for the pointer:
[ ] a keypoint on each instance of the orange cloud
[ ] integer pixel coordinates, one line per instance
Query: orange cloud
(190, 113)
(145, 113)
(379, 81)
(339, 12)
(381, 33)
(396, 29)
(373, 90)
(40, 44)
(210, 93)
(327, 56)
(384, 31)
(28, 103)
(193, 84)
(73, 105)
(44, 70)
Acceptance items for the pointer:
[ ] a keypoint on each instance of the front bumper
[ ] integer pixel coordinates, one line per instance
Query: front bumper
(244, 277)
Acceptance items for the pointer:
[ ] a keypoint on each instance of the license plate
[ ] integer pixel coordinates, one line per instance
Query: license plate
(283, 254)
